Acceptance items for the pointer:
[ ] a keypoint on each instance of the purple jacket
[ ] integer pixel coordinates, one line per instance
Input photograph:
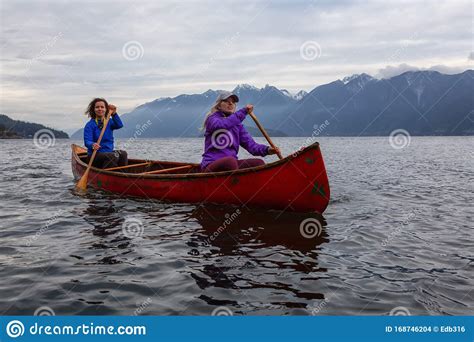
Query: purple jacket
(224, 135)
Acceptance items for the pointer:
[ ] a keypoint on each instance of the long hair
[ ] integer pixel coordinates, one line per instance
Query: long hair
(90, 108)
(214, 108)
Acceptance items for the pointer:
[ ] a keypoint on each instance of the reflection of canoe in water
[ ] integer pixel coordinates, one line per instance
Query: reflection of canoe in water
(226, 228)
(296, 183)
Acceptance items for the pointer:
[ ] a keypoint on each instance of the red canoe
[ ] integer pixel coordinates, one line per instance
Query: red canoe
(296, 183)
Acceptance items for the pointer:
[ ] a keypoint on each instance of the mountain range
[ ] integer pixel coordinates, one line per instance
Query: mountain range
(421, 102)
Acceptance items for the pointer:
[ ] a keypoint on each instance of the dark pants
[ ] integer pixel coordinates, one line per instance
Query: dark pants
(105, 160)
(230, 163)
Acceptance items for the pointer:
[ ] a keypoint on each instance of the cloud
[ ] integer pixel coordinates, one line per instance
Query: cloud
(390, 71)
(450, 70)
(69, 52)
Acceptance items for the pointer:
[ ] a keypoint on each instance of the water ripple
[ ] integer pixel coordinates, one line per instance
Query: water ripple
(398, 232)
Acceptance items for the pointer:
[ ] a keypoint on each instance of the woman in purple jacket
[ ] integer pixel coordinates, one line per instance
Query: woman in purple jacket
(225, 133)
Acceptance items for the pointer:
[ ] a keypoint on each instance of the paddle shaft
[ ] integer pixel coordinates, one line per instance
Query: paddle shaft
(82, 184)
(178, 168)
(126, 166)
(265, 133)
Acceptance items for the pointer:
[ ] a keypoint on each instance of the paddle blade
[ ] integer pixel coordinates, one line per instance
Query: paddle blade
(82, 183)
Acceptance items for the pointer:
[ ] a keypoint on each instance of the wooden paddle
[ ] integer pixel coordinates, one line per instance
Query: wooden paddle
(178, 168)
(127, 166)
(82, 184)
(264, 133)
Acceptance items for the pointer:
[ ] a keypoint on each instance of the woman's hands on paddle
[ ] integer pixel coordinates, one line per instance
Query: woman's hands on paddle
(95, 146)
(112, 109)
(272, 150)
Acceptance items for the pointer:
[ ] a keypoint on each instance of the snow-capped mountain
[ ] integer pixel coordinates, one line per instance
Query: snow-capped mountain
(422, 102)
(300, 95)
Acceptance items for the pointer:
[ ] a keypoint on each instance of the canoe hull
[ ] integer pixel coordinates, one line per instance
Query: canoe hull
(297, 183)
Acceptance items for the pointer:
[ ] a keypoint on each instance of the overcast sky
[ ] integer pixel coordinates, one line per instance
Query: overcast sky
(57, 55)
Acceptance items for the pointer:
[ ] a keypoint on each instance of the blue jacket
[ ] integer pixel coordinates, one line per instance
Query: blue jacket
(224, 134)
(92, 132)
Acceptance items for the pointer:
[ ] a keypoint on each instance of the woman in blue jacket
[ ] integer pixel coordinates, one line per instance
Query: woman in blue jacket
(105, 157)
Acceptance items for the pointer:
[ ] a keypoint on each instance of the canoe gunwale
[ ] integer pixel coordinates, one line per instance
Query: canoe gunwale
(237, 172)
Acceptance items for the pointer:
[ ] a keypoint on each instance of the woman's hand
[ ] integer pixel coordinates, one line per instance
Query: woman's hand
(112, 109)
(249, 108)
(95, 146)
(272, 150)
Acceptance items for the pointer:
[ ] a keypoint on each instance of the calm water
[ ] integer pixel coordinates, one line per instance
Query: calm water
(398, 236)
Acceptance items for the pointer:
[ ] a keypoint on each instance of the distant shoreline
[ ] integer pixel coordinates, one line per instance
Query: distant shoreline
(303, 137)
